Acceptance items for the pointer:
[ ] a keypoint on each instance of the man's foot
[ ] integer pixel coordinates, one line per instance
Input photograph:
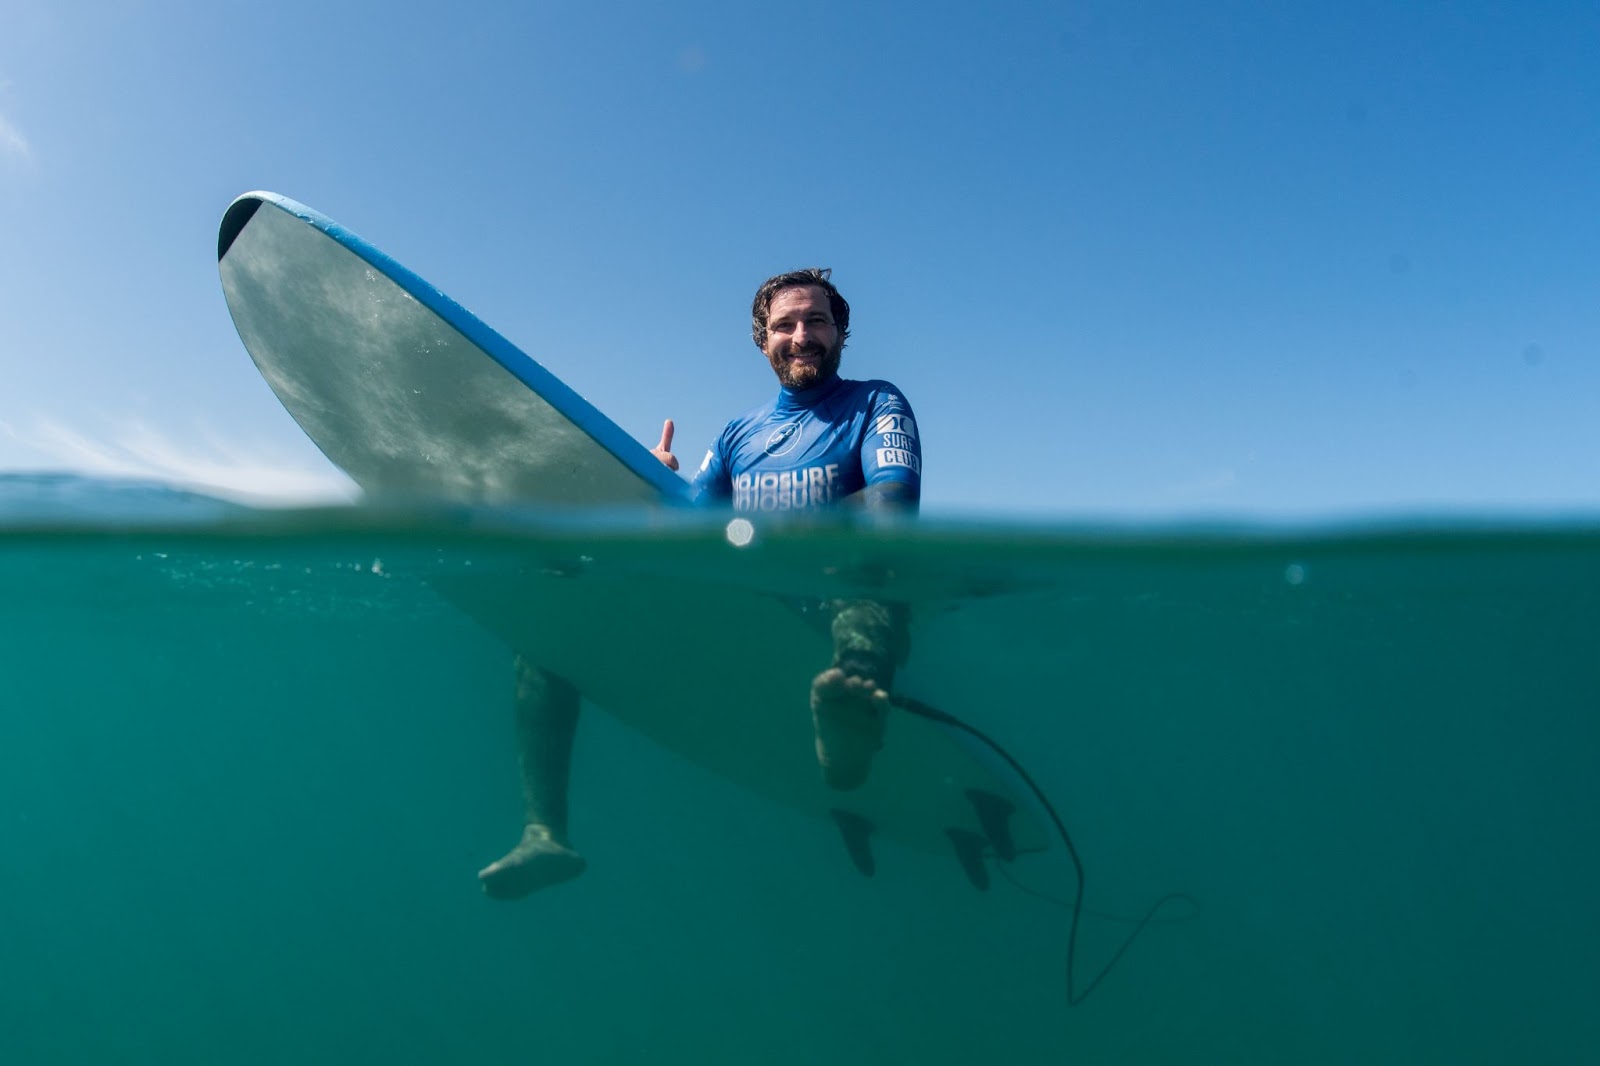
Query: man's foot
(538, 861)
(849, 712)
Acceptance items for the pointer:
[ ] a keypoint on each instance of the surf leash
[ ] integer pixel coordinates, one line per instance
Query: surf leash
(1074, 996)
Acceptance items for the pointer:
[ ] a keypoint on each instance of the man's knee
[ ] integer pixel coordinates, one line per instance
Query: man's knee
(871, 637)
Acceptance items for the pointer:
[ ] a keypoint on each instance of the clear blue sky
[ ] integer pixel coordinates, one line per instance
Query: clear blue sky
(1126, 259)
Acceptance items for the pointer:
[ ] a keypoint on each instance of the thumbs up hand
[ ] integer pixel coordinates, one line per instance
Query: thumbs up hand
(663, 451)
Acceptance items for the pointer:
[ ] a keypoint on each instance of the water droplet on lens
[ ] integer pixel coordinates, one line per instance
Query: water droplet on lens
(740, 532)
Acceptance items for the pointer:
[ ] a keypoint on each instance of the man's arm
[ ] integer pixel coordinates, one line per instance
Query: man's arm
(891, 457)
(889, 498)
(711, 485)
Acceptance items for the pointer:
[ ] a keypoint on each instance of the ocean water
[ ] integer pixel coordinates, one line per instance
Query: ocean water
(250, 763)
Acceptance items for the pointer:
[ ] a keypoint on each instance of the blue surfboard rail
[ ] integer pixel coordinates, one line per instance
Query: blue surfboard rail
(610, 436)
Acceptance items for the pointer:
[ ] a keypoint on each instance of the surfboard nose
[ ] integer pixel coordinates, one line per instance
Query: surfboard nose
(234, 220)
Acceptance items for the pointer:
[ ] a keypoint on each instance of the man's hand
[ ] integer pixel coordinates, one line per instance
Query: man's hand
(663, 451)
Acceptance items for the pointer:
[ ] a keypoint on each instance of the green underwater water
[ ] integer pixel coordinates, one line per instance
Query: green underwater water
(250, 764)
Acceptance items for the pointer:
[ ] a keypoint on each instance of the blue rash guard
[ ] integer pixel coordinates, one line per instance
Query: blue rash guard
(811, 448)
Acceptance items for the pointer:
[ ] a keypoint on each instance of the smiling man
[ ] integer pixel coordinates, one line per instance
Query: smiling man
(824, 438)
(823, 441)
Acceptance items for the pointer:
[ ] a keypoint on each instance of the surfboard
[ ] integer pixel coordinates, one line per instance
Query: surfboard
(416, 399)
(401, 387)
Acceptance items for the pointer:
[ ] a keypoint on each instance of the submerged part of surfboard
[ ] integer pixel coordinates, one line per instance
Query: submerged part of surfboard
(735, 698)
(389, 377)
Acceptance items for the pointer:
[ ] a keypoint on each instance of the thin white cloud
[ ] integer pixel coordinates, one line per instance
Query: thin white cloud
(138, 450)
(13, 143)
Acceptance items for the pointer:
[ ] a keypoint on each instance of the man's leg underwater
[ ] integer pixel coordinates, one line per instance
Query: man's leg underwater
(850, 699)
(546, 712)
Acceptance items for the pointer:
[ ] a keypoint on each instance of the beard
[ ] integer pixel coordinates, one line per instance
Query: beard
(802, 376)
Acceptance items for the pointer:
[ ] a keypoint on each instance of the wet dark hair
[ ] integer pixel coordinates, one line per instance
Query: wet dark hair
(818, 276)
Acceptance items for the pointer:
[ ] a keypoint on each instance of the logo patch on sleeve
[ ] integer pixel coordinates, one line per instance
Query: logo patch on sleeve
(900, 457)
(896, 424)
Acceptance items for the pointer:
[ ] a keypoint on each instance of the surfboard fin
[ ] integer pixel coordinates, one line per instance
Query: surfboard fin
(857, 833)
(994, 815)
(969, 851)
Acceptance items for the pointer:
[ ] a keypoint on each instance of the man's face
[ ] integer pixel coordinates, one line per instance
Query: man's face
(803, 343)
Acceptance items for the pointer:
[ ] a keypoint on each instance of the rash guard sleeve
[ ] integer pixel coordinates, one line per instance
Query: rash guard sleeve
(890, 447)
(712, 485)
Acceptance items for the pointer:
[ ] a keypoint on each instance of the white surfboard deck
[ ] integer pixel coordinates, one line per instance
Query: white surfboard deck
(415, 398)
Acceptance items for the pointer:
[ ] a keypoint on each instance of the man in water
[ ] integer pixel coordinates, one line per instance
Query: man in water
(824, 441)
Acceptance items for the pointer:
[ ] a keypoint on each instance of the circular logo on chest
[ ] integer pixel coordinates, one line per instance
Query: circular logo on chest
(784, 439)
